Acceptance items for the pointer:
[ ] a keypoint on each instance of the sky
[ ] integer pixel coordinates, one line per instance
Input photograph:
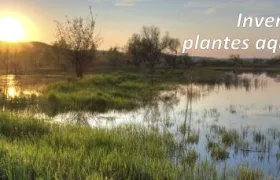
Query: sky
(117, 20)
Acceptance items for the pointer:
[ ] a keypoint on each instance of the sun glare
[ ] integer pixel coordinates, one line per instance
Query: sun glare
(11, 30)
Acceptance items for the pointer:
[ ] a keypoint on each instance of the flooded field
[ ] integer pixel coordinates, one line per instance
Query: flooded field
(233, 125)
(242, 122)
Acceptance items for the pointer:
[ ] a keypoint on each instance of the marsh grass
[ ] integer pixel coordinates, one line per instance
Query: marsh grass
(227, 139)
(258, 137)
(102, 93)
(193, 138)
(17, 102)
(204, 170)
(247, 173)
(218, 151)
(37, 149)
(230, 137)
(190, 158)
(32, 149)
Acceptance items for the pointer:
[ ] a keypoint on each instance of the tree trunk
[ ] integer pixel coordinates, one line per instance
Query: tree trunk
(174, 63)
(79, 68)
(175, 60)
(58, 60)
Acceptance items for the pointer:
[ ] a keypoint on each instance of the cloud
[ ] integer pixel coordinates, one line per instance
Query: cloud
(126, 3)
(129, 2)
(210, 11)
(249, 5)
(203, 4)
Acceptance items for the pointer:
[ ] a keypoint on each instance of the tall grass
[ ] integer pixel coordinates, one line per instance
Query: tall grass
(102, 92)
(126, 91)
(35, 149)
(32, 149)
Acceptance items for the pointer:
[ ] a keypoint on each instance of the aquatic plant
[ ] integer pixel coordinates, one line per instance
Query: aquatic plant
(193, 138)
(217, 151)
(258, 137)
(251, 174)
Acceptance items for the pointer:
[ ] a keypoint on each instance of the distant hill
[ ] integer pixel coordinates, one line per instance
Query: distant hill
(21, 46)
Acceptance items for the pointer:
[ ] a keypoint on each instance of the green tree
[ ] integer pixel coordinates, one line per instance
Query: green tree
(235, 58)
(114, 56)
(186, 60)
(148, 46)
(135, 49)
(174, 44)
(59, 47)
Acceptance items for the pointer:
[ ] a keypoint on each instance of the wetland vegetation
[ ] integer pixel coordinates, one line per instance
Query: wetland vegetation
(56, 130)
(70, 111)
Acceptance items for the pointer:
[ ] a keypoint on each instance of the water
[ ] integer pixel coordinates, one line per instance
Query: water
(13, 86)
(249, 110)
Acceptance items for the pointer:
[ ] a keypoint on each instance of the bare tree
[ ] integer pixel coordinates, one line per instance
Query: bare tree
(80, 39)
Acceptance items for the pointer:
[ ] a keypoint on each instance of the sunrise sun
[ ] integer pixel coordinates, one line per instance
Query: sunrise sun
(11, 30)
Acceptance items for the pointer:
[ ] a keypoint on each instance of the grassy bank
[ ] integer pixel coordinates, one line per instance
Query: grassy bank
(102, 92)
(34, 149)
(127, 90)
(116, 90)
(120, 90)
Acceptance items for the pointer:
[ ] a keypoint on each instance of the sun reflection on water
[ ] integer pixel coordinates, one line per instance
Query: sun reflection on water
(10, 89)
(11, 92)
(13, 88)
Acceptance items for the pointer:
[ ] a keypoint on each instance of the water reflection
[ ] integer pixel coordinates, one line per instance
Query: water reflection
(11, 92)
(13, 86)
(8, 85)
(19, 93)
